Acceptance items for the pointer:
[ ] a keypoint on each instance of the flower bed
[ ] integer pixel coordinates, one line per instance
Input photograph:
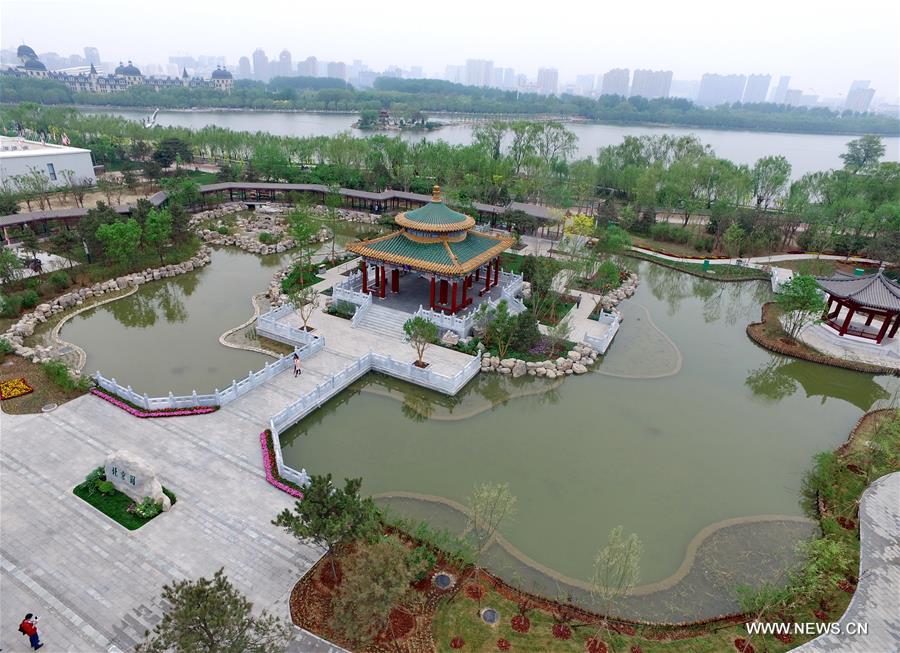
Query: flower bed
(137, 411)
(14, 388)
(116, 505)
(271, 467)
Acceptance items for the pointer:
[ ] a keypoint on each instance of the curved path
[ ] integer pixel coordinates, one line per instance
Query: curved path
(756, 260)
(876, 601)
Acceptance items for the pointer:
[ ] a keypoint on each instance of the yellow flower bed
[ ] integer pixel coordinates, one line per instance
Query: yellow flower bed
(14, 388)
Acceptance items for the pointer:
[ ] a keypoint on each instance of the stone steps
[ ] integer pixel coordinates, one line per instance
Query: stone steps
(384, 321)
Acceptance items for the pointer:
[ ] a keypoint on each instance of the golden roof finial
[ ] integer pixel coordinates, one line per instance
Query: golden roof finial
(436, 194)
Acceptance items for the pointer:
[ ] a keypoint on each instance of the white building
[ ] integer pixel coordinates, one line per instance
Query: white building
(19, 157)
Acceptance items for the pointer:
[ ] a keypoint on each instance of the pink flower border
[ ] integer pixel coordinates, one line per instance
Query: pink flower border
(137, 412)
(270, 473)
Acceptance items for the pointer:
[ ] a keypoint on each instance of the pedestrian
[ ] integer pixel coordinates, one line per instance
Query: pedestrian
(297, 371)
(29, 627)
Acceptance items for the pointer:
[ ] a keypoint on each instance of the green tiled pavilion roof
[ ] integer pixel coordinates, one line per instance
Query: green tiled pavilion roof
(436, 217)
(441, 256)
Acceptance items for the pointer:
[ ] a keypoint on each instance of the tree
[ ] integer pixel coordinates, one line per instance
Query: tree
(212, 616)
(733, 238)
(333, 201)
(158, 230)
(305, 301)
(302, 227)
(501, 329)
(30, 240)
(9, 201)
(10, 265)
(374, 581)
(863, 153)
(66, 242)
(616, 569)
(329, 515)
(770, 178)
(170, 149)
(490, 505)
(420, 333)
(801, 303)
(121, 240)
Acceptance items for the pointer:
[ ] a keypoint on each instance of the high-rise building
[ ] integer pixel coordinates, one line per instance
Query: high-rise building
(685, 88)
(309, 67)
(455, 74)
(720, 89)
(757, 89)
(859, 97)
(780, 92)
(615, 82)
(479, 72)
(547, 81)
(793, 97)
(285, 66)
(92, 56)
(651, 83)
(260, 65)
(509, 78)
(337, 69)
(584, 84)
(416, 72)
(244, 69)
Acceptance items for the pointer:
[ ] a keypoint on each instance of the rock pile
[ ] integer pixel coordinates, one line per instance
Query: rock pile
(624, 291)
(25, 326)
(577, 361)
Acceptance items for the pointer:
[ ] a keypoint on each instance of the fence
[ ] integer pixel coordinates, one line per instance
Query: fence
(330, 387)
(601, 344)
(511, 285)
(268, 325)
(217, 398)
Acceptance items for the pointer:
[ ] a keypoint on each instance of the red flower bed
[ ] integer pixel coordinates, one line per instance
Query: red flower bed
(270, 465)
(521, 623)
(623, 629)
(635, 649)
(503, 644)
(137, 411)
(847, 523)
(784, 637)
(474, 592)
(595, 645)
(457, 642)
(744, 646)
(846, 586)
(331, 578)
(562, 631)
(821, 615)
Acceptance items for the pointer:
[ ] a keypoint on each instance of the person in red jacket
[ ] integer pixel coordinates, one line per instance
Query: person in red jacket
(29, 627)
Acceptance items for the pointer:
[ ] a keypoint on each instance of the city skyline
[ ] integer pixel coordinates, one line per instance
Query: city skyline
(822, 62)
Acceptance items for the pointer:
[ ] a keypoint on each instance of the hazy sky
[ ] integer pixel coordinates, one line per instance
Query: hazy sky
(823, 44)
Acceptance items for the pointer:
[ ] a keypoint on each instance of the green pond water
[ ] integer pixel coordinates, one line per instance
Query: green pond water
(672, 434)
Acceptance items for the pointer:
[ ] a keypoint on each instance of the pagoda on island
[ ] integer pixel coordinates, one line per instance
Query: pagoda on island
(867, 296)
(438, 244)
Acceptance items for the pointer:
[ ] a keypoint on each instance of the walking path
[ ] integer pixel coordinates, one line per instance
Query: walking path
(877, 595)
(757, 260)
(95, 584)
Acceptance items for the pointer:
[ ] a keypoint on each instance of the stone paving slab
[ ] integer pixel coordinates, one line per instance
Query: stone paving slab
(97, 584)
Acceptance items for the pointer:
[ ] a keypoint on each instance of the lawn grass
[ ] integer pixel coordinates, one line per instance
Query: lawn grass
(115, 505)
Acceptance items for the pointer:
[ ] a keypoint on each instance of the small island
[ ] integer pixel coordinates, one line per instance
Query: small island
(383, 120)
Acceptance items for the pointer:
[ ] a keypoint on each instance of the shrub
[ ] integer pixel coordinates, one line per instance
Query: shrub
(11, 306)
(59, 281)
(223, 230)
(267, 239)
(105, 487)
(60, 375)
(607, 277)
(96, 474)
(147, 508)
(422, 559)
(526, 331)
(5, 346)
(703, 242)
(30, 298)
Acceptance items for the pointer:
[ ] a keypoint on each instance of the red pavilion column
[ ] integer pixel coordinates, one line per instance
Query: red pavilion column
(465, 285)
(883, 330)
(365, 276)
(496, 270)
(443, 298)
(383, 287)
(395, 280)
(432, 294)
(453, 299)
(850, 312)
(894, 328)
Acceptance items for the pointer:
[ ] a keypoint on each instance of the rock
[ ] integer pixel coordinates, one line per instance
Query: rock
(450, 338)
(532, 373)
(504, 370)
(551, 374)
(508, 363)
(519, 369)
(569, 371)
(574, 355)
(539, 371)
(578, 368)
(135, 478)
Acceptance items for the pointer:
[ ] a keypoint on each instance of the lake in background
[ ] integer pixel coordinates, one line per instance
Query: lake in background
(806, 152)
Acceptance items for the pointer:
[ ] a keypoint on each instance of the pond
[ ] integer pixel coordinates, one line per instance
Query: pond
(687, 434)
